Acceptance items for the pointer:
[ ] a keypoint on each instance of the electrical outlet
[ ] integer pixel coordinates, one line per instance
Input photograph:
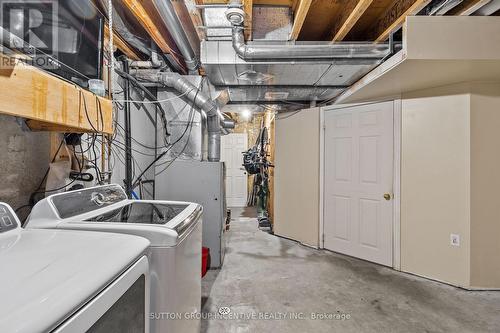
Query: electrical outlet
(455, 239)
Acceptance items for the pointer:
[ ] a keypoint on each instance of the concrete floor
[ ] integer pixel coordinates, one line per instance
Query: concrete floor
(273, 278)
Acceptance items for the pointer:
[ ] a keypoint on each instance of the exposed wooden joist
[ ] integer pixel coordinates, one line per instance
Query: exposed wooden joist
(354, 9)
(287, 3)
(198, 22)
(41, 126)
(196, 17)
(137, 9)
(121, 44)
(248, 9)
(394, 17)
(44, 98)
(468, 7)
(300, 17)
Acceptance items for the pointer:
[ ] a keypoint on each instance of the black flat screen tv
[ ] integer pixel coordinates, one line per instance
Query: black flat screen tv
(64, 37)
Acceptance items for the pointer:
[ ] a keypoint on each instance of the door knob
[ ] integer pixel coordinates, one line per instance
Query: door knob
(387, 196)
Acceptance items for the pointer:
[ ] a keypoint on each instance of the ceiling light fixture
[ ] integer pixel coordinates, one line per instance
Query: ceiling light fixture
(246, 114)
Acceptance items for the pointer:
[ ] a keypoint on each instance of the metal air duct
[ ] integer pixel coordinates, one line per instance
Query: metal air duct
(217, 125)
(299, 52)
(174, 26)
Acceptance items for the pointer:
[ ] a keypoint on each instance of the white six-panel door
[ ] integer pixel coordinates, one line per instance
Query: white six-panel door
(358, 173)
(236, 177)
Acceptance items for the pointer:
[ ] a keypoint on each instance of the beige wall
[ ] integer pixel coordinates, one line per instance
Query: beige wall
(485, 185)
(297, 176)
(435, 184)
(450, 182)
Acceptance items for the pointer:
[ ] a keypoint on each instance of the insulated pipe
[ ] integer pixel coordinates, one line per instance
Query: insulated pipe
(174, 26)
(298, 52)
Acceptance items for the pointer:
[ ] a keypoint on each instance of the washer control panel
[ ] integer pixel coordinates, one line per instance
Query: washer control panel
(8, 219)
(79, 202)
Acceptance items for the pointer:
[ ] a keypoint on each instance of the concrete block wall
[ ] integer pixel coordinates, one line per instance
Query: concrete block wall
(25, 158)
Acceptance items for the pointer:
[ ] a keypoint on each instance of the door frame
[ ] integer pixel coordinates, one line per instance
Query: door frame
(396, 183)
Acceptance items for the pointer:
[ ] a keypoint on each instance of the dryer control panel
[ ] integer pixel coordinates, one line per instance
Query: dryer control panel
(8, 219)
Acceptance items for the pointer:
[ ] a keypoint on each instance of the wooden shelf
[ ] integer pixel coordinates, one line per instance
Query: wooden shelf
(437, 51)
(49, 103)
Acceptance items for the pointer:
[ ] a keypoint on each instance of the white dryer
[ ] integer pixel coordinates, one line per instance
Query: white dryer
(71, 282)
(173, 228)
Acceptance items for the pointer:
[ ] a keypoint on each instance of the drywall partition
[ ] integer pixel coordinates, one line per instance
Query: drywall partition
(449, 184)
(297, 176)
(435, 184)
(479, 37)
(485, 185)
(437, 51)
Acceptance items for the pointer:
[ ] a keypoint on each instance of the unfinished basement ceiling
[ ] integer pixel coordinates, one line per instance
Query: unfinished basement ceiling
(275, 81)
(272, 81)
(297, 22)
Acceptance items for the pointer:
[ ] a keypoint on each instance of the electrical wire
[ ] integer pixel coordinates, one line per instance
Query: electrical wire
(64, 186)
(159, 108)
(153, 102)
(119, 154)
(30, 204)
(99, 110)
(190, 125)
(135, 140)
(134, 184)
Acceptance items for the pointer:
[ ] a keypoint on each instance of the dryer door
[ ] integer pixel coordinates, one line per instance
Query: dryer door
(121, 306)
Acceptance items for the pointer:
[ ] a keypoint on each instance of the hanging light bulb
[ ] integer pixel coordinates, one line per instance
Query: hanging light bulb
(246, 114)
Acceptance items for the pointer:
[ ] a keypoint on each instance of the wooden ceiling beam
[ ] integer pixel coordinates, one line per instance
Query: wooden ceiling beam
(353, 11)
(468, 7)
(121, 44)
(137, 9)
(300, 17)
(248, 9)
(286, 3)
(394, 17)
(197, 19)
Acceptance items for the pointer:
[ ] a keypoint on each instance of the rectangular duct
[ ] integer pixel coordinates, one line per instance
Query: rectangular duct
(301, 81)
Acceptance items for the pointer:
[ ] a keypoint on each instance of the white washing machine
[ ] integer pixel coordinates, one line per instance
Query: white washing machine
(173, 228)
(71, 281)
